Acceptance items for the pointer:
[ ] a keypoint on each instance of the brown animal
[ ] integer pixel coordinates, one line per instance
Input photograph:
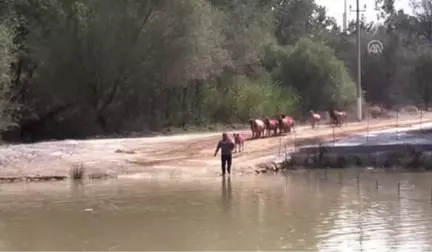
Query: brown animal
(238, 142)
(286, 123)
(271, 125)
(343, 117)
(333, 118)
(314, 119)
(257, 127)
(338, 118)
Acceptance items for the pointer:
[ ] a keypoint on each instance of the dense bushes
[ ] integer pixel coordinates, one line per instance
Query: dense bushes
(251, 98)
(312, 69)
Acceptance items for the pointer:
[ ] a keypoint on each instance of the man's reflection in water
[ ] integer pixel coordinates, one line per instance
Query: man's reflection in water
(226, 193)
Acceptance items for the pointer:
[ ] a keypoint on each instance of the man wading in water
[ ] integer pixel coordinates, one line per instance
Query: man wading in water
(227, 146)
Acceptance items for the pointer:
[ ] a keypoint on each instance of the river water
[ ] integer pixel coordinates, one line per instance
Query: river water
(299, 211)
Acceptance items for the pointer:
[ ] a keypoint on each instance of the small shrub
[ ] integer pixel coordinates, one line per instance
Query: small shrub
(77, 172)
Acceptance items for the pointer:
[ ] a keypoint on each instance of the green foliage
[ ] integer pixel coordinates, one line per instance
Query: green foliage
(297, 19)
(5, 57)
(252, 98)
(319, 77)
(7, 106)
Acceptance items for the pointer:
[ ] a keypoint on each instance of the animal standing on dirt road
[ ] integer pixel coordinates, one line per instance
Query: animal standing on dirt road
(337, 118)
(271, 125)
(238, 142)
(332, 116)
(342, 117)
(227, 146)
(314, 119)
(286, 123)
(257, 127)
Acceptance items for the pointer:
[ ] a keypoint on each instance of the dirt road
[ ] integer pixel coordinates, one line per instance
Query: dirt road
(187, 155)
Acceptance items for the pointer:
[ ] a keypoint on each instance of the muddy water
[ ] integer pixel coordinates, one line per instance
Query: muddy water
(302, 211)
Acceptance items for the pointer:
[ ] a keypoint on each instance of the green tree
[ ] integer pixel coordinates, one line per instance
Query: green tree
(302, 18)
(320, 79)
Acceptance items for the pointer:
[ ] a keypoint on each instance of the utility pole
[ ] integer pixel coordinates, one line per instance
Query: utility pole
(345, 25)
(359, 88)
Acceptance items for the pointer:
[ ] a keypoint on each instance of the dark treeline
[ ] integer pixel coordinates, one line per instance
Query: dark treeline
(77, 68)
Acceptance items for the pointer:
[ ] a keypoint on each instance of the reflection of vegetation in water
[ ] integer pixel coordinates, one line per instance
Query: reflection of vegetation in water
(77, 188)
(363, 206)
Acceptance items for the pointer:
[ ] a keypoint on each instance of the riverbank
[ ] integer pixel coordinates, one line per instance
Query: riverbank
(408, 147)
(179, 155)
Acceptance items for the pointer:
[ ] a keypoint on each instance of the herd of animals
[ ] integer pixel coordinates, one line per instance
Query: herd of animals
(285, 124)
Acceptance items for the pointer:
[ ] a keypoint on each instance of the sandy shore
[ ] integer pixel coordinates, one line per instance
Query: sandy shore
(186, 155)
